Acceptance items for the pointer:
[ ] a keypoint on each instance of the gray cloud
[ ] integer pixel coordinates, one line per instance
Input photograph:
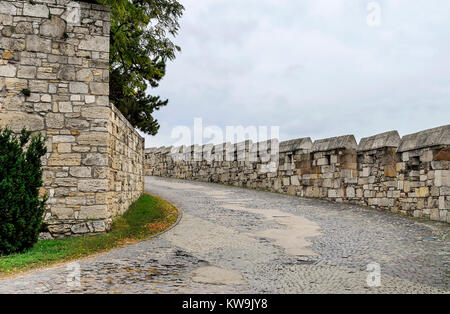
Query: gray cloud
(313, 67)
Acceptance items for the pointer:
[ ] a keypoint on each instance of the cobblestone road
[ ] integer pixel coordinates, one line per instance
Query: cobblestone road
(234, 240)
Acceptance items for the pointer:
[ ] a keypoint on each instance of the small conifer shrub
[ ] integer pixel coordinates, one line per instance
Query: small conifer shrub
(21, 208)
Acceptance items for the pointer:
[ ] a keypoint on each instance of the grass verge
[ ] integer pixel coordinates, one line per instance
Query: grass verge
(145, 217)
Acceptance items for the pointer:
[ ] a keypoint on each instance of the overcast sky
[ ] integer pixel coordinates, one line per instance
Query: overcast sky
(315, 68)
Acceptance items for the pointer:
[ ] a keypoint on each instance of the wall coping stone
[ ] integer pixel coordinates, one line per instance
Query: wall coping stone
(304, 143)
(345, 142)
(386, 139)
(428, 138)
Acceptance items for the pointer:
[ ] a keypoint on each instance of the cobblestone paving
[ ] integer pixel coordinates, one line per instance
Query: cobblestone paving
(233, 240)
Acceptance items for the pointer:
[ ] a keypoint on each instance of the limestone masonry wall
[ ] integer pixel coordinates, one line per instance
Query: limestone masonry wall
(54, 79)
(408, 175)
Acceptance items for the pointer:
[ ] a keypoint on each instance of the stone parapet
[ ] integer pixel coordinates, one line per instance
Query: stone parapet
(409, 175)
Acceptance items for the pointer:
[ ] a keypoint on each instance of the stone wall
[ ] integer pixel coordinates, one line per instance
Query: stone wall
(54, 79)
(125, 163)
(408, 175)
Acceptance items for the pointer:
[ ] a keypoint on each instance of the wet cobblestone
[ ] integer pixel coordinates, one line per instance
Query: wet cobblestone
(220, 228)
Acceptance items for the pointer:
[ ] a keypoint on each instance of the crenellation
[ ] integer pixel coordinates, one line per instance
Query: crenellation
(408, 175)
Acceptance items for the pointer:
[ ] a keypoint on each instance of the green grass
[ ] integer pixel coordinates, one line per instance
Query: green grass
(145, 217)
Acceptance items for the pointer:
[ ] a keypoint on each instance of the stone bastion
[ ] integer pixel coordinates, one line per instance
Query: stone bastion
(54, 79)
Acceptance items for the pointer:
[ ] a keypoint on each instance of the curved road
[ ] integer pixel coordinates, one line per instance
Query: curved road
(233, 240)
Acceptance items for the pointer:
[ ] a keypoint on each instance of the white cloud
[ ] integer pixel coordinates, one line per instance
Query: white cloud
(315, 68)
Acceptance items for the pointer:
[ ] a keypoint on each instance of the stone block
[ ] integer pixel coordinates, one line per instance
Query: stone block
(54, 120)
(15, 84)
(54, 27)
(17, 120)
(99, 88)
(64, 148)
(63, 139)
(80, 228)
(93, 212)
(92, 185)
(350, 192)
(366, 172)
(295, 181)
(95, 43)
(442, 178)
(95, 112)
(24, 28)
(35, 10)
(78, 88)
(64, 160)
(99, 226)
(422, 192)
(93, 138)
(62, 212)
(95, 159)
(84, 75)
(8, 70)
(7, 8)
(38, 44)
(65, 107)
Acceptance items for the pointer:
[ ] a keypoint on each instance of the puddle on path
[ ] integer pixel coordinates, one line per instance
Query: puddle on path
(293, 237)
(217, 275)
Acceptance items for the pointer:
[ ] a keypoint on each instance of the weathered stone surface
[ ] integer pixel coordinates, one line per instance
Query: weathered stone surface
(67, 73)
(63, 139)
(95, 112)
(99, 88)
(387, 139)
(38, 44)
(65, 107)
(77, 124)
(24, 28)
(15, 84)
(7, 8)
(62, 212)
(95, 159)
(92, 185)
(8, 70)
(55, 27)
(297, 144)
(93, 212)
(339, 142)
(99, 226)
(35, 10)
(80, 228)
(6, 19)
(17, 120)
(54, 121)
(64, 160)
(95, 43)
(428, 138)
(81, 172)
(93, 138)
(26, 72)
(85, 75)
(78, 88)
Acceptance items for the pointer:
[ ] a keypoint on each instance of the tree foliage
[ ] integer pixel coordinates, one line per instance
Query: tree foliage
(141, 44)
(21, 209)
